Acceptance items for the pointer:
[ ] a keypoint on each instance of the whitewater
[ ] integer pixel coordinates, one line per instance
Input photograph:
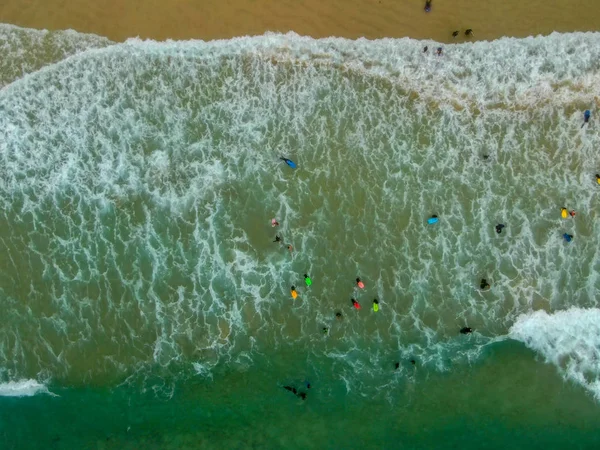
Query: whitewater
(139, 181)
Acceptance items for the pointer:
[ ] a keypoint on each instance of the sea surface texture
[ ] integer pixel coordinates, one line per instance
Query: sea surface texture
(144, 304)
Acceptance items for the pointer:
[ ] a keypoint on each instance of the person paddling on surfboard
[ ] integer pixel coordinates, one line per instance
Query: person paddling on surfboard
(355, 304)
(289, 162)
(360, 284)
(586, 117)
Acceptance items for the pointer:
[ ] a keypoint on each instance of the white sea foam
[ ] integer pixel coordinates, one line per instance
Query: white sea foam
(23, 388)
(25, 50)
(140, 180)
(568, 339)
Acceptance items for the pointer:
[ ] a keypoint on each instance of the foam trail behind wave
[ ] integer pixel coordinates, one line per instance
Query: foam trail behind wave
(23, 388)
(25, 50)
(568, 339)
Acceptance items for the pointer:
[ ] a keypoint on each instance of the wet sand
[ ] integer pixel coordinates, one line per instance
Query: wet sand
(214, 19)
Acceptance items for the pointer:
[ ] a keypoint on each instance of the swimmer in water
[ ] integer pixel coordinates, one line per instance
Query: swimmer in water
(466, 330)
(586, 117)
(274, 223)
(355, 304)
(427, 5)
(499, 228)
(325, 330)
(290, 248)
(598, 178)
(572, 213)
(484, 285)
(293, 292)
(291, 389)
(277, 238)
(425, 49)
(397, 365)
(338, 315)
(360, 284)
(375, 305)
(568, 237)
(413, 362)
(302, 395)
(439, 51)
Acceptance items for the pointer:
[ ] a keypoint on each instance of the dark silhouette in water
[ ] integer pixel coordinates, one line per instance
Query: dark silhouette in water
(499, 228)
(397, 365)
(568, 237)
(455, 34)
(427, 5)
(469, 32)
(425, 49)
(484, 285)
(338, 315)
(277, 238)
(466, 330)
(413, 362)
(291, 389)
(586, 117)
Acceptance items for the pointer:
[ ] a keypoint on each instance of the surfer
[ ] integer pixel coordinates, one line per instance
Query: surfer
(360, 284)
(355, 304)
(433, 219)
(293, 292)
(397, 365)
(568, 237)
(484, 285)
(499, 228)
(598, 178)
(563, 212)
(375, 305)
(289, 162)
(307, 280)
(274, 223)
(466, 330)
(586, 117)
(277, 238)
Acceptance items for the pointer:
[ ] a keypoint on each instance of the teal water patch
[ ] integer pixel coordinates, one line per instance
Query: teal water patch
(506, 401)
(139, 262)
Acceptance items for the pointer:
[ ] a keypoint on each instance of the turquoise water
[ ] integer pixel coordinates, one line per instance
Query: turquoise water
(145, 303)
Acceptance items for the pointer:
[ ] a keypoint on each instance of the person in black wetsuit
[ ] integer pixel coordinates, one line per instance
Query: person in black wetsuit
(499, 228)
(484, 285)
(466, 330)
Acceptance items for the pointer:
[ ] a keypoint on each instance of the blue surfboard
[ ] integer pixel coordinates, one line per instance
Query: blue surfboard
(289, 162)
(432, 220)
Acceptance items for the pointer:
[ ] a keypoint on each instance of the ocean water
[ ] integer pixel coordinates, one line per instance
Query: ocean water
(144, 304)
